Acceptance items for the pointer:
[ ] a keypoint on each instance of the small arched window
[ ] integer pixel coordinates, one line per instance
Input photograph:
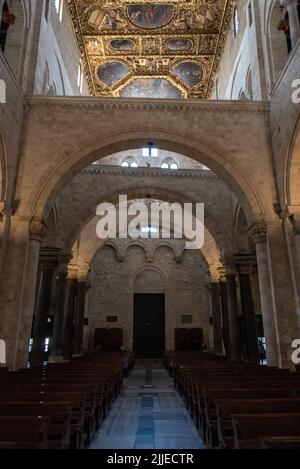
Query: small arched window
(169, 164)
(2, 351)
(6, 20)
(236, 21)
(59, 4)
(129, 163)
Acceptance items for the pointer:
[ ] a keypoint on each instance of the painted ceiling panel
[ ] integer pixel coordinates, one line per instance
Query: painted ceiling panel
(143, 48)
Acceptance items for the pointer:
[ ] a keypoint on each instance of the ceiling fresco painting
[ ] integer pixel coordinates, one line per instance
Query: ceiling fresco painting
(159, 88)
(156, 49)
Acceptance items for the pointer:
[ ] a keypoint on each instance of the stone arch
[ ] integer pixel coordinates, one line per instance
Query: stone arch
(157, 277)
(59, 87)
(3, 175)
(234, 84)
(249, 85)
(177, 251)
(240, 227)
(16, 37)
(216, 159)
(221, 237)
(2, 352)
(293, 169)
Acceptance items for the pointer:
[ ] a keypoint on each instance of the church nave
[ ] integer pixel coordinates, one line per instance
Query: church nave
(148, 414)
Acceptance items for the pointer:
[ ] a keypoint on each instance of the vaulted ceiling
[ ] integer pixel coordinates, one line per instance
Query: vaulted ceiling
(150, 48)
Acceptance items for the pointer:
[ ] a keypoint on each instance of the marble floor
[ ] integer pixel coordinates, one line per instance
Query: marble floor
(148, 414)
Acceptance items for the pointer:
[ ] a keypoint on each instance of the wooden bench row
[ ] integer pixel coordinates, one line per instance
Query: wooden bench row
(62, 405)
(238, 405)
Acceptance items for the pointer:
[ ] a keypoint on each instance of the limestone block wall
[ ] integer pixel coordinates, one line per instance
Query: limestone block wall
(10, 132)
(284, 120)
(58, 57)
(113, 286)
(241, 72)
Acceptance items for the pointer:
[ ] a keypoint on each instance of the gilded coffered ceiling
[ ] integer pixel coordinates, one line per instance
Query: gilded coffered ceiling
(150, 48)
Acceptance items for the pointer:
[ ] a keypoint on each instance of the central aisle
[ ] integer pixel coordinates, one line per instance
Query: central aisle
(149, 414)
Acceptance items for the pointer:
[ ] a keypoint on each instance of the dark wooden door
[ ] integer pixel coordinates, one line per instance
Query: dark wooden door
(149, 325)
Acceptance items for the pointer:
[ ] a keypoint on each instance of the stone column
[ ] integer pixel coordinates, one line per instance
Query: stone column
(69, 308)
(258, 234)
(17, 287)
(56, 350)
(244, 263)
(225, 318)
(282, 291)
(86, 319)
(79, 316)
(295, 221)
(48, 262)
(233, 319)
(291, 6)
(216, 314)
(4, 232)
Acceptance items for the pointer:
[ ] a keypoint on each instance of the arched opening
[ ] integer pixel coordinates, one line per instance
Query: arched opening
(293, 170)
(12, 33)
(60, 176)
(2, 171)
(2, 352)
(6, 20)
(279, 40)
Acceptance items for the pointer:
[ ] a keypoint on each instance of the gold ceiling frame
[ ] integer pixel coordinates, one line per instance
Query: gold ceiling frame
(170, 79)
(207, 44)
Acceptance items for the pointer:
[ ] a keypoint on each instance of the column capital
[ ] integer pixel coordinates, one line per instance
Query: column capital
(295, 222)
(214, 273)
(258, 233)
(222, 274)
(72, 271)
(228, 265)
(244, 262)
(5, 210)
(230, 269)
(37, 230)
(49, 257)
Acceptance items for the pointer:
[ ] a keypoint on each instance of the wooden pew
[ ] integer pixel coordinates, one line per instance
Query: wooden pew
(280, 442)
(24, 432)
(221, 428)
(59, 414)
(249, 428)
(78, 408)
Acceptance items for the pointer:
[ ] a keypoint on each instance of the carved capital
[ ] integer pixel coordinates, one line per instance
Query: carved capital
(295, 222)
(37, 230)
(5, 210)
(258, 233)
(214, 271)
(245, 263)
(222, 274)
(228, 265)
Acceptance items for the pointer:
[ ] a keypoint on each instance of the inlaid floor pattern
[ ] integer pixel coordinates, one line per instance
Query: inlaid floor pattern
(149, 414)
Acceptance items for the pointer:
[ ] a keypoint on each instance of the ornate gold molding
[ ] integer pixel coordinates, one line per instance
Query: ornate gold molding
(204, 23)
